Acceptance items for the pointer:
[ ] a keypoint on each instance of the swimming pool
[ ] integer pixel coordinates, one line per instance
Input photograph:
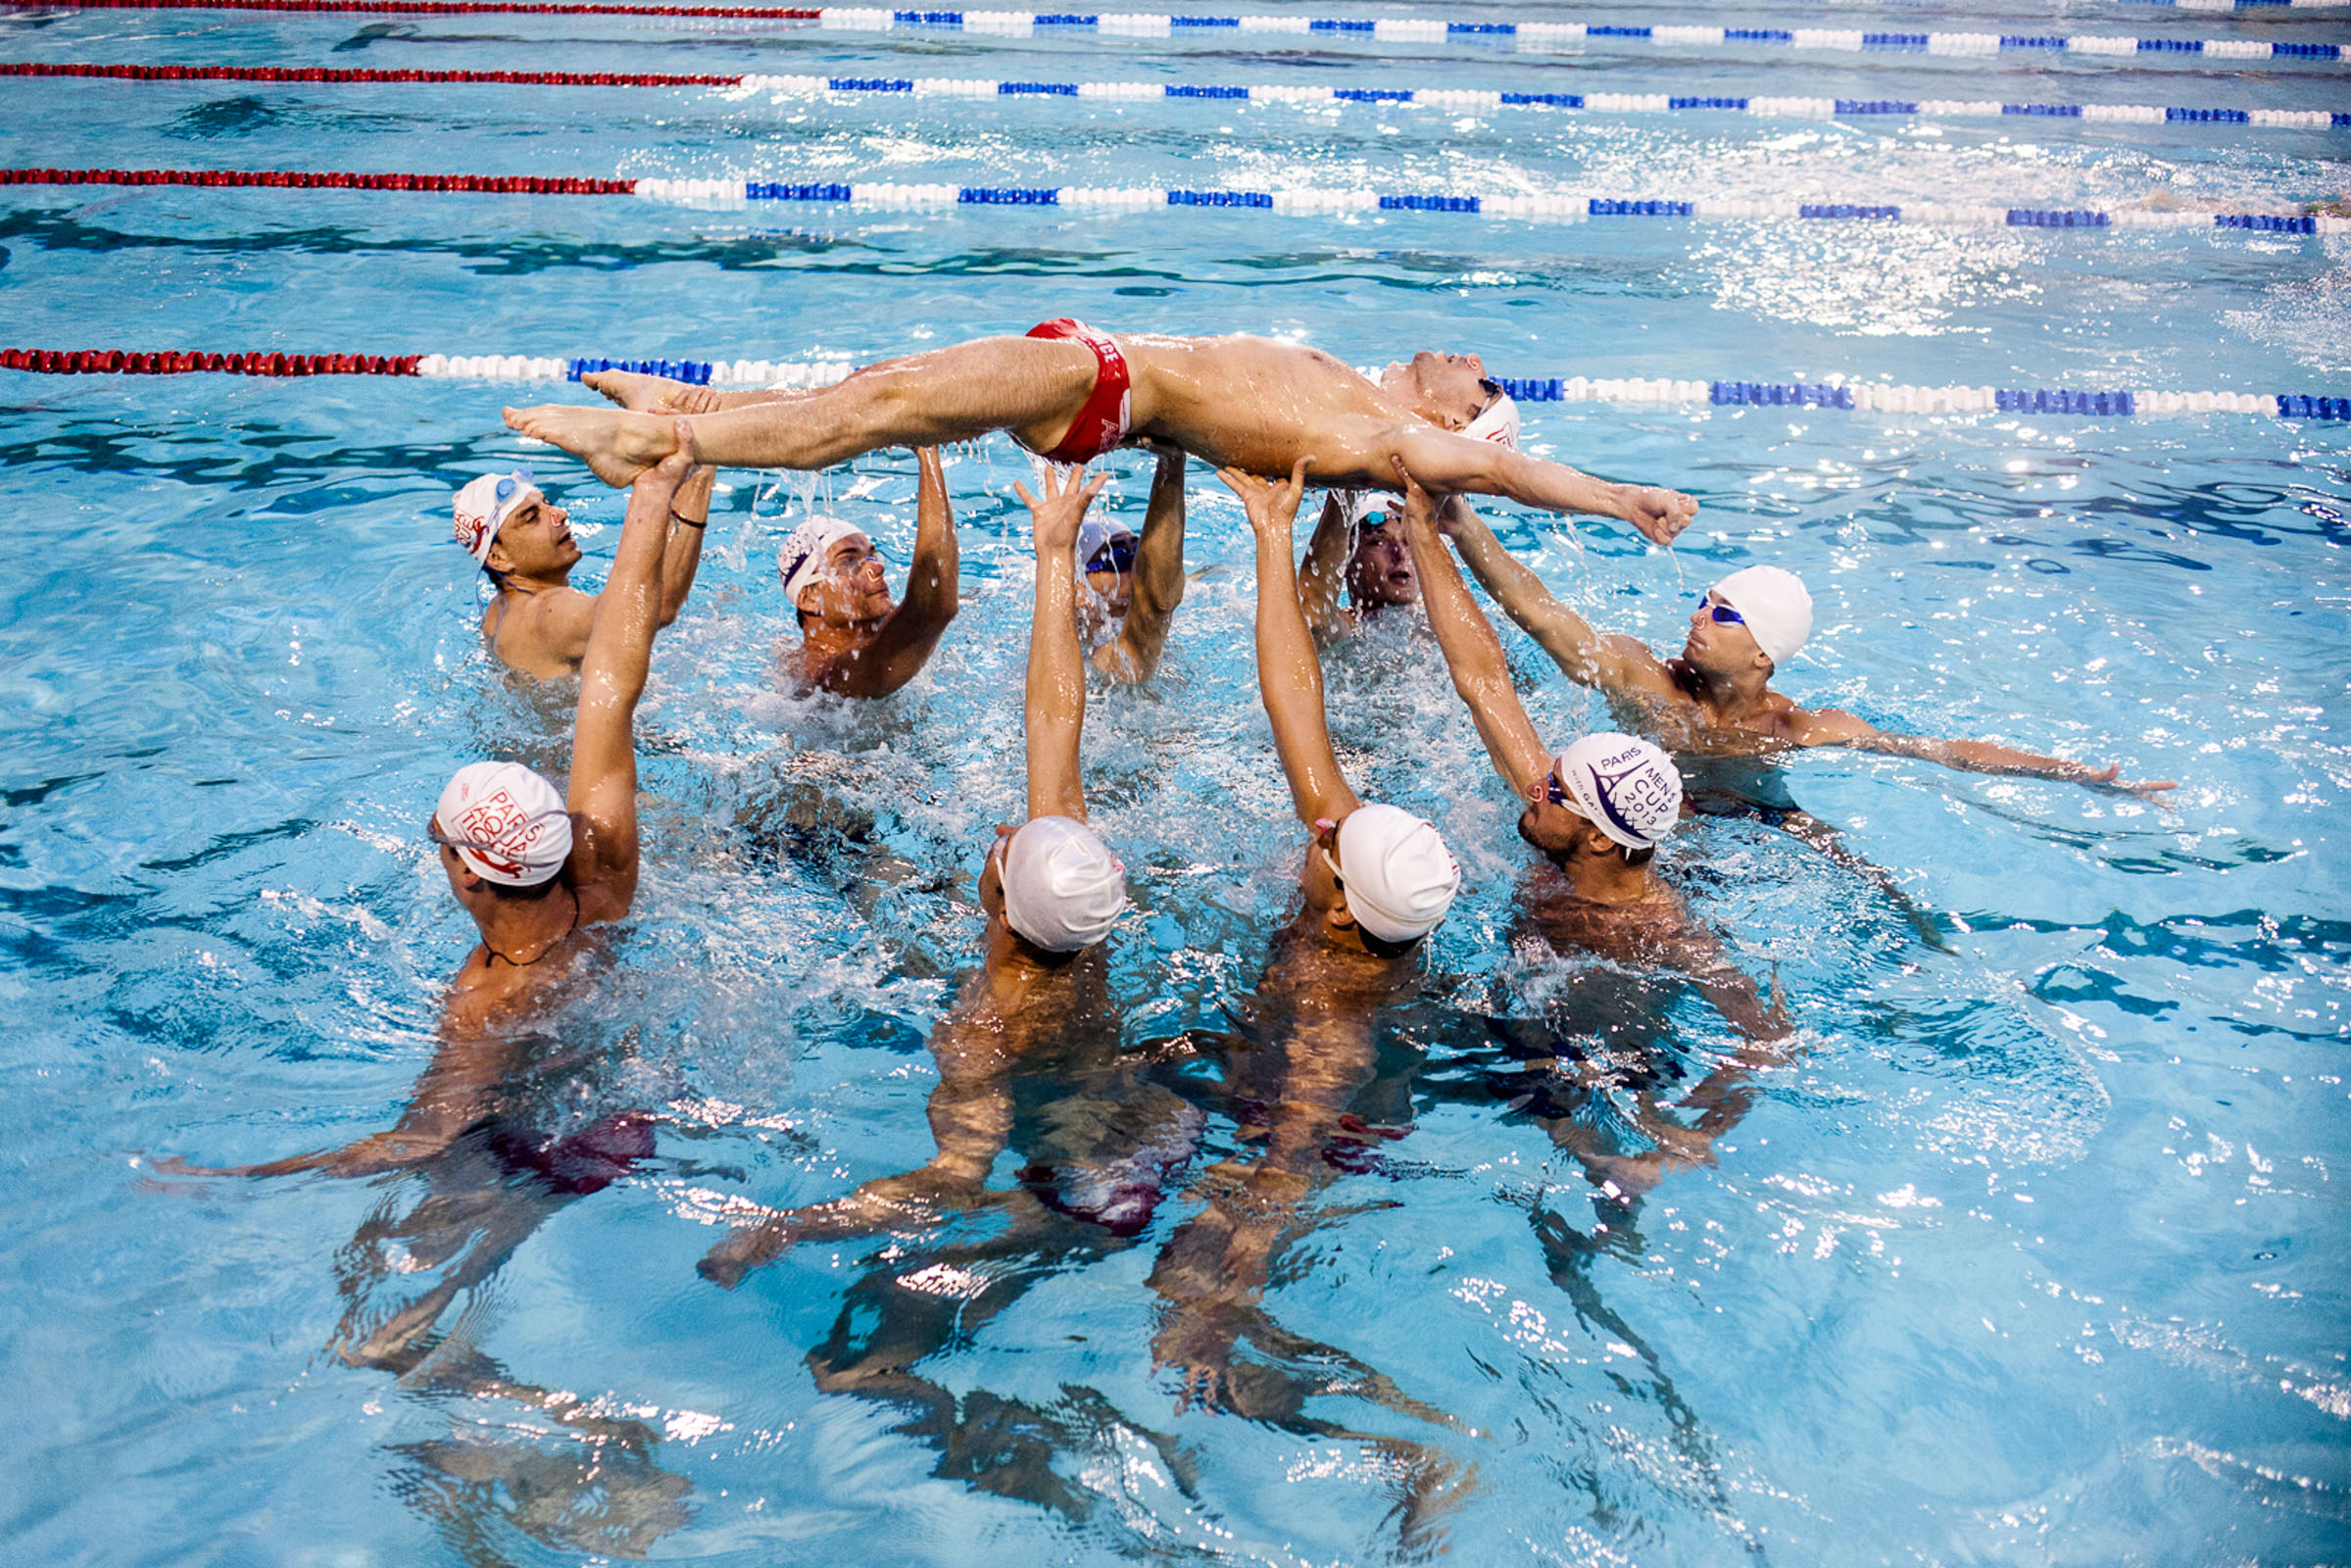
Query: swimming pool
(2034, 1255)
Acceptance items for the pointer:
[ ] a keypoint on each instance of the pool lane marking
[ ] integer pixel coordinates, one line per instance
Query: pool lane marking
(1861, 397)
(1451, 99)
(1561, 208)
(1527, 35)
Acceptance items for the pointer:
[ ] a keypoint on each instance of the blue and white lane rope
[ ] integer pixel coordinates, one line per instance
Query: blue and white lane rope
(1548, 35)
(1861, 397)
(1560, 208)
(1454, 99)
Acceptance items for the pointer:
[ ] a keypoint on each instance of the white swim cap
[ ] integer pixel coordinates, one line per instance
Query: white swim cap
(1624, 786)
(506, 822)
(801, 561)
(482, 506)
(1095, 536)
(1063, 890)
(1496, 422)
(1400, 878)
(1777, 609)
(1361, 506)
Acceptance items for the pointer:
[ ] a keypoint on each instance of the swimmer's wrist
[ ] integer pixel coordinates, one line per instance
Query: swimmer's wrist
(683, 520)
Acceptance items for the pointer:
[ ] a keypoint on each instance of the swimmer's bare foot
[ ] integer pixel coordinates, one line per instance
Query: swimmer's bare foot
(617, 447)
(639, 393)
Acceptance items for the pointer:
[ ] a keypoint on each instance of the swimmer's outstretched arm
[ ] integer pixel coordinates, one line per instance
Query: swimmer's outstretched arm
(689, 520)
(1585, 655)
(1056, 698)
(1831, 726)
(1320, 573)
(1472, 651)
(603, 793)
(1158, 577)
(1289, 675)
(1449, 463)
(911, 633)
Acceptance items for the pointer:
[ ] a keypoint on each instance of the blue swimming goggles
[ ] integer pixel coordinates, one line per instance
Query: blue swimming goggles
(1723, 615)
(1117, 556)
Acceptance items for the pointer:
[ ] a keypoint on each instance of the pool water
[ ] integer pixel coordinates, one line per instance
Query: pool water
(2034, 1256)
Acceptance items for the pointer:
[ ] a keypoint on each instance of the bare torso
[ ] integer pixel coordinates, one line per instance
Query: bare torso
(1256, 403)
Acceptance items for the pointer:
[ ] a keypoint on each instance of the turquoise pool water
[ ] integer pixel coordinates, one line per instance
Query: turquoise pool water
(2034, 1257)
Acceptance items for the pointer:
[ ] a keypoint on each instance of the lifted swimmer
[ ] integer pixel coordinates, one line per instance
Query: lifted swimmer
(1070, 393)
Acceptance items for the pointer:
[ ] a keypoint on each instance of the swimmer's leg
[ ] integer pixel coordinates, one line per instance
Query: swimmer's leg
(1033, 387)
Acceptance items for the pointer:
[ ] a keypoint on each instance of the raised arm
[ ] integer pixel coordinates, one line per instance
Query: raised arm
(1587, 657)
(612, 677)
(1158, 578)
(1287, 673)
(1324, 569)
(1831, 726)
(911, 633)
(689, 517)
(1449, 463)
(1056, 680)
(1472, 652)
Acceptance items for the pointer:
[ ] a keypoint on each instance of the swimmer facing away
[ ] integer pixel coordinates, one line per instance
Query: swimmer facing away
(1374, 881)
(535, 868)
(536, 622)
(1051, 892)
(1070, 393)
(1715, 699)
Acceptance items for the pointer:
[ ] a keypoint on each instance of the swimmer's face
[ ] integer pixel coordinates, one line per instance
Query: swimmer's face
(852, 589)
(992, 873)
(1548, 824)
(1380, 572)
(1114, 587)
(535, 540)
(1717, 647)
(1451, 386)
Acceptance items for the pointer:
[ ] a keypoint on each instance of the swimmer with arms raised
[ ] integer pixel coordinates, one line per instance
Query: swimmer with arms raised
(536, 869)
(1136, 582)
(1597, 813)
(536, 622)
(1050, 892)
(1374, 881)
(1716, 699)
(1069, 394)
(855, 640)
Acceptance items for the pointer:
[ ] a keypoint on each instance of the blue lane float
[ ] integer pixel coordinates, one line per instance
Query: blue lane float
(1455, 100)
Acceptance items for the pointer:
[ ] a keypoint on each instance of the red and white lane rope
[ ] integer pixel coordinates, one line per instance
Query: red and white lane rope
(1568, 207)
(1863, 397)
(1449, 100)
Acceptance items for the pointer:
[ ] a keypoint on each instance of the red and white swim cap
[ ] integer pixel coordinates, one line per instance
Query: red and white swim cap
(482, 506)
(506, 822)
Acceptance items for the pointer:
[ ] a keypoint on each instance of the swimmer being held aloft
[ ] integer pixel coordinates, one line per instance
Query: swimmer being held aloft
(536, 622)
(855, 640)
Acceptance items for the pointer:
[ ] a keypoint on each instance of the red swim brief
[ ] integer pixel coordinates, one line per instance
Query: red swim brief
(1102, 424)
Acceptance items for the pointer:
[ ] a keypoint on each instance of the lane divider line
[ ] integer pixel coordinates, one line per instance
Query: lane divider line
(733, 194)
(1448, 99)
(1535, 36)
(1862, 397)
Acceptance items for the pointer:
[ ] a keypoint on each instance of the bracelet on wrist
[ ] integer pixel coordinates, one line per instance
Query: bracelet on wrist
(683, 520)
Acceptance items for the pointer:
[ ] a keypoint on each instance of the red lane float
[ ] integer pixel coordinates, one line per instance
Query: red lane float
(433, 8)
(527, 78)
(298, 179)
(116, 362)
